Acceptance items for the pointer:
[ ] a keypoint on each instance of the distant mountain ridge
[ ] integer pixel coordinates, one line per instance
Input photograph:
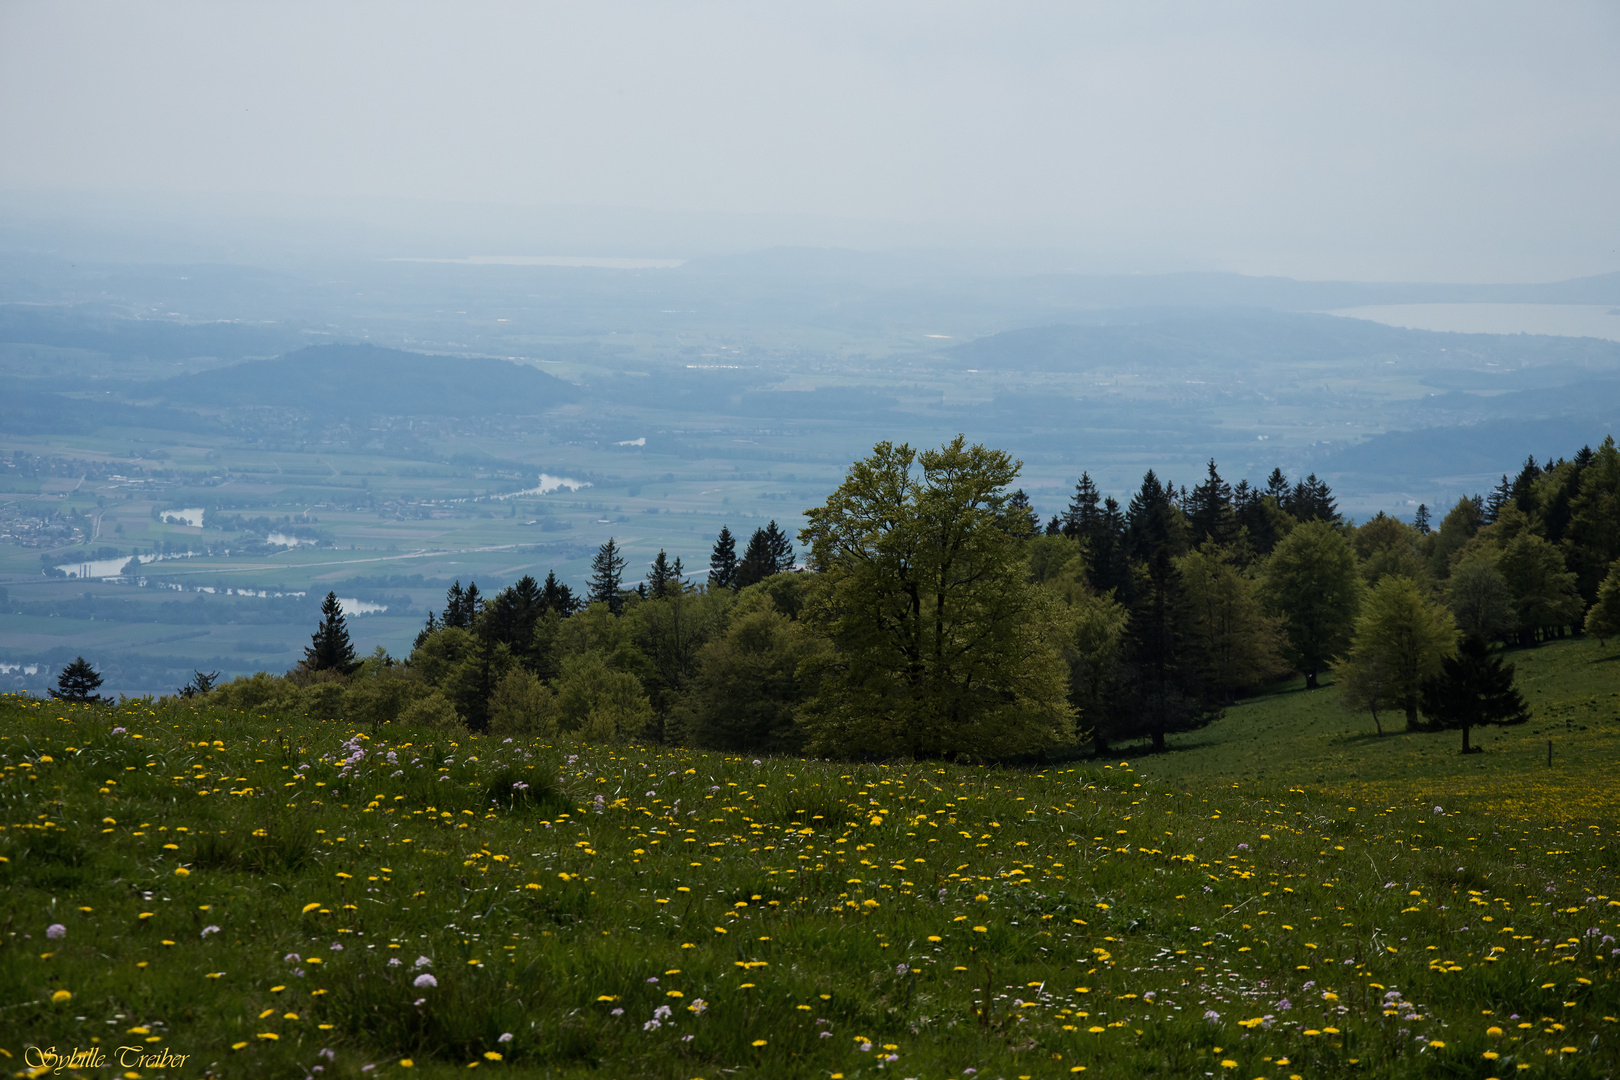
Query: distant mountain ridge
(1099, 291)
(371, 380)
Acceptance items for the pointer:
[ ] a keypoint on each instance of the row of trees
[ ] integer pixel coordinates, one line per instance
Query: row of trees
(940, 619)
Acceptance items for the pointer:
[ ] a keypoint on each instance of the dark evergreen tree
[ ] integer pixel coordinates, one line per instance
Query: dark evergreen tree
(1054, 527)
(1474, 688)
(429, 628)
(1153, 523)
(1083, 518)
(662, 578)
(329, 647)
(1277, 487)
(723, 561)
(509, 619)
(1420, 520)
(452, 607)
(757, 562)
(780, 549)
(461, 606)
(1110, 561)
(78, 683)
(201, 682)
(1499, 497)
(1021, 519)
(607, 577)
(558, 597)
(1524, 485)
(1210, 511)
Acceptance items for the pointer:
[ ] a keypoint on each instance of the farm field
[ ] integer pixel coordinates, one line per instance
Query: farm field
(266, 895)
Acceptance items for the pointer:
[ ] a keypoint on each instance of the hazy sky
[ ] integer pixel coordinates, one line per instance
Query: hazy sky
(1467, 141)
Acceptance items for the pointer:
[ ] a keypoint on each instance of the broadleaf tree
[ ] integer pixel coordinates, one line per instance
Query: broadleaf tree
(941, 645)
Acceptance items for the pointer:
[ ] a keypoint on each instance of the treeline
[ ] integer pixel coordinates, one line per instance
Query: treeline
(935, 615)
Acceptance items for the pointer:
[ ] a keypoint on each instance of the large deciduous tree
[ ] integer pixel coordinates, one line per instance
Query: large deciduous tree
(1236, 643)
(1402, 638)
(1311, 580)
(942, 645)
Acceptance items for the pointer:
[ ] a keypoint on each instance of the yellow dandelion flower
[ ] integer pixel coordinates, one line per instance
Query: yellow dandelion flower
(492, 1055)
(181, 871)
(310, 907)
(759, 1042)
(60, 996)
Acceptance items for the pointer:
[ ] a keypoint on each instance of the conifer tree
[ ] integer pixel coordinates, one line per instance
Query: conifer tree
(558, 597)
(1277, 487)
(1474, 688)
(1210, 511)
(779, 548)
(757, 562)
(723, 561)
(1499, 497)
(1022, 520)
(1082, 518)
(329, 647)
(607, 577)
(78, 683)
(1420, 520)
(429, 628)
(662, 578)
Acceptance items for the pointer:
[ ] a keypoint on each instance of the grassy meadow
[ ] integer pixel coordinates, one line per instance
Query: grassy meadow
(1283, 895)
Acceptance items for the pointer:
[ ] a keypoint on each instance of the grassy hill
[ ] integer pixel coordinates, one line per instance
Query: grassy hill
(1283, 896)
(1290, 737)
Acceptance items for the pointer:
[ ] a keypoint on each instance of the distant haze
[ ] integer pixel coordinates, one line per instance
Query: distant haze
(1391, 141)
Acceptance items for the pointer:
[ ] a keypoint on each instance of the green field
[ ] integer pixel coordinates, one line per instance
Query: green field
(1283, 895)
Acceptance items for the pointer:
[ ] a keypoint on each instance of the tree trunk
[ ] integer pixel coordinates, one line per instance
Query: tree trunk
(1376, 723)
(1310, 680)
(1158, 740)
(1466, 750)
(1411, 714)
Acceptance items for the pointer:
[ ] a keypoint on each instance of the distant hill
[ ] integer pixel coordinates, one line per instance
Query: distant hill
(370, 380)
(1247, 338)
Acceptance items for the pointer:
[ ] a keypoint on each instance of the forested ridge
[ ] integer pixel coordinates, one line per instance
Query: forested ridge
(929, 612)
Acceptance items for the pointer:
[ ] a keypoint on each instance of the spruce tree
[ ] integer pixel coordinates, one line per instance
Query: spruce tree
(452, 606)
(431, 627)
(1022, 520)
(78, 683)
(1081, 519)
(607, 577)
(662, 578)
(329, 647)
(779, 548)
(758, 563)
(1500, 496)
(723, 561)
(558, 597)
(1210, 511)
(1420, 520)
(1474, 688)
(1277, 488)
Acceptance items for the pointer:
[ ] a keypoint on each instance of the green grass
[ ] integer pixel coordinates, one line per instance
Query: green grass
(1291, 736)
(1162, 920)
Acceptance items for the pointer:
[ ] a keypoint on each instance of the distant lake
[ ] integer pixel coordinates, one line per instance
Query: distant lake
(1563, 320)
(548, 483)
(110, 568)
